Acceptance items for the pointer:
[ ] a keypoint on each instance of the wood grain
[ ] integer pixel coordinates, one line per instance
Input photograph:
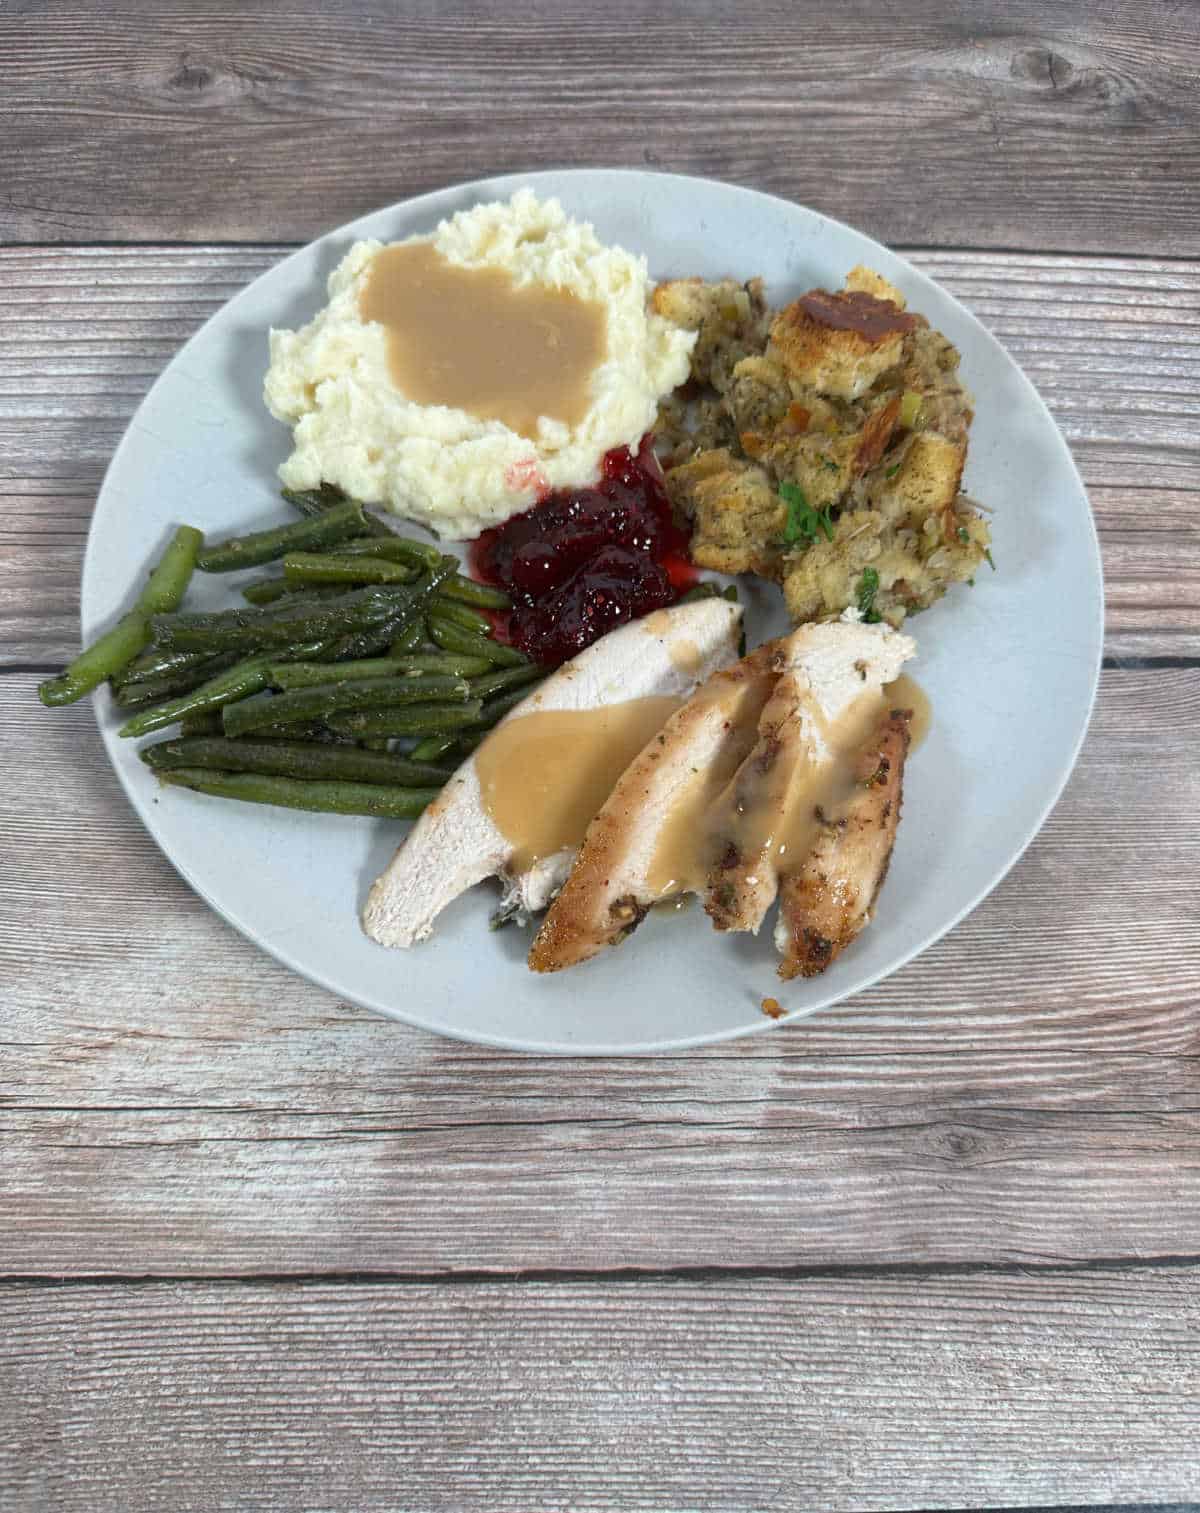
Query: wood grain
(173, 1102)
(1044, 125)
(1112, 343)
(853, 1393)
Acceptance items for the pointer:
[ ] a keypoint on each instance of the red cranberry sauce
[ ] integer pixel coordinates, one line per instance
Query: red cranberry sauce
(586, 560)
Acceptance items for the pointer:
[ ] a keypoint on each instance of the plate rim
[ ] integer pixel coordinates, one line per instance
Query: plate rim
(506, 184)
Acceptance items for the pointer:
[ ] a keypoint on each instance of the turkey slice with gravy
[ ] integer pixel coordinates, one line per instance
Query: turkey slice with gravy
(729, 797)
(628, 858)
(827, 699)
(825, 904)
(593, 715)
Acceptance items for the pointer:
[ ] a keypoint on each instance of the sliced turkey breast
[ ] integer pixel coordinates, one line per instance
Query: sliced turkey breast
(824, 703)
(640, 846)
(457, 842)
(824, 905)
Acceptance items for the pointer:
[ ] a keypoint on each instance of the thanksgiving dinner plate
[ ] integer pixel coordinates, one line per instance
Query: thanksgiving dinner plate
(1010, 665)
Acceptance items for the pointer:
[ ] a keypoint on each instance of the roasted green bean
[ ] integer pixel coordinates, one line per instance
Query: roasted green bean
(246, 677)
(318, 501)
(432, 748)
(296, 793)
(415, 720)
(286, 624)
(470, 619)
(451, 637)
(409, 639)
(304, 674)
(306, 568)
(201, 724)
(296, 759)
(491, 683)
(134, 694)
(482, 595)
(117, 647)
(313, 534)
(324, 699)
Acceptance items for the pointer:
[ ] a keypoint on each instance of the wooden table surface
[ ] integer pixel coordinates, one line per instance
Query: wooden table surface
(937, 1248)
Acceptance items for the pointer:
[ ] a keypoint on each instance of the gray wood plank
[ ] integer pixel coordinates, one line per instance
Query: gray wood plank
(853, 1393)
(175, 1102)
(1113, 344)
(1046, 125)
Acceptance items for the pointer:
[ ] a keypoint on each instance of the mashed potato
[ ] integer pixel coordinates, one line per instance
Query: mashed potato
(444, 467)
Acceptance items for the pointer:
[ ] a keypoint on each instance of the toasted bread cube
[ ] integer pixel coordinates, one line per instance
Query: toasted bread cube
(864, 280)
(737, 516)
(839, 344)
(928, 480)
(729, 319)
(822, 579)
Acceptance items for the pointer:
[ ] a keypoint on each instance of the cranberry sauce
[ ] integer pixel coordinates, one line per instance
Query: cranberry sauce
(586, 560)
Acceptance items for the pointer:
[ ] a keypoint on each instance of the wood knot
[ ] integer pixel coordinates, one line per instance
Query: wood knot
(1041, 65)
(188, 76)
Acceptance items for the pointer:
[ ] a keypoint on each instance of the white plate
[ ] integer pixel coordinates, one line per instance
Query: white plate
(1011, 666)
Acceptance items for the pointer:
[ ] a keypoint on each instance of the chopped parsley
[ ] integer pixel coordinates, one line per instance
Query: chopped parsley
(868, 587)
(964, 535)
(803, 522)
(892, 471)
(990, 561)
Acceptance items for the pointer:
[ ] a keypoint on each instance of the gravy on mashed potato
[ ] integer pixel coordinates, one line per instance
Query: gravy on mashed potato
(443, 445)
(471, 338)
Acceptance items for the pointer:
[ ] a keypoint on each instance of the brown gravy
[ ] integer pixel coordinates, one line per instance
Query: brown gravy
(770, 816)
(545, 775)
(907, 693)
(870, 317)
(472, 339)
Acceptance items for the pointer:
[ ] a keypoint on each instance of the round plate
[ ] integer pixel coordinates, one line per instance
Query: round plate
(1011, 665)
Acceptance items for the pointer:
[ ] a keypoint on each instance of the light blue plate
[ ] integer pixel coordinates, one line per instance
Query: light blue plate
(1011, 666)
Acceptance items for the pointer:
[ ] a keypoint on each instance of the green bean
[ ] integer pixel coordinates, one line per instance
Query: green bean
(267, 590)
(313, 534)
(393, 549)
(324, 699)
(134, 694)
(467, 591)
(452, 637)
(201, 724)
(416, 719)
(505, 677)
(432, 748)
(376, 743)
(305, 568)
(470, 619)
(295, 759)
(307, 674)
(298, 793)
(456, 663)
(409, 639)
(469, 741)
(271, 590)
(287, 625)
(118, 647)
(154, 663)
(317, 501)
(298, 730)
(377, 639)
(303, 674)
(246, 677)
(314, 501)
(495, 709)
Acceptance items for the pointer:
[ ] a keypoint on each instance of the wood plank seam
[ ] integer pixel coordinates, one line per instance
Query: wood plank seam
(603, 1276)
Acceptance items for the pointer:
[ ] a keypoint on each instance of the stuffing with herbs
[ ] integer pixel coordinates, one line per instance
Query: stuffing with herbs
(822, 446)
